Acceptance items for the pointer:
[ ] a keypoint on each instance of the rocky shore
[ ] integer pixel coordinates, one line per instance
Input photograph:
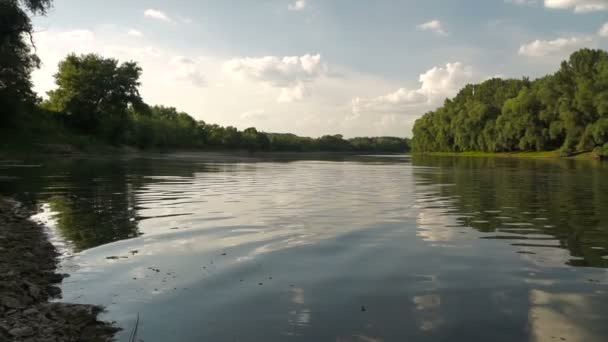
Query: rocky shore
(28, 280)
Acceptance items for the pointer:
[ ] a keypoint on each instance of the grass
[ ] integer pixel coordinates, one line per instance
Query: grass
(542, 155)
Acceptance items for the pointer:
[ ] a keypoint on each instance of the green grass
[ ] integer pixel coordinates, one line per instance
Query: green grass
(543, 154)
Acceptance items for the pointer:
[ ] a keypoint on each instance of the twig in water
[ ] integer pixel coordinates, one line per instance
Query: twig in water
(134, 332)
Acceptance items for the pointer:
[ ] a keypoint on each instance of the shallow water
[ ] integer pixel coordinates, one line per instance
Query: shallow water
(375, 248)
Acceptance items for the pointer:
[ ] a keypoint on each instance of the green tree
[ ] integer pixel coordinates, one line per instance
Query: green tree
(16, 58)
(95, 94)
(564, 110)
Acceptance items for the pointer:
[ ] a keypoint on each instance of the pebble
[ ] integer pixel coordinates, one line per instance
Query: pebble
(31, 311)
(21, 332)
(12, 303)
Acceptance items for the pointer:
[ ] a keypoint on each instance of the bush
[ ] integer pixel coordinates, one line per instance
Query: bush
(601, 152)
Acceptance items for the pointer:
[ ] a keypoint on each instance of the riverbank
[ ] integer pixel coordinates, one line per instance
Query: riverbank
(537, 155)
(28, 281)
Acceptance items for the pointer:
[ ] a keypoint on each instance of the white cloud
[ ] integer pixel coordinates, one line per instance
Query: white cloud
(158, 15)
(445, 81)
(540, 48)
(521, 2)
(135, 33)
(435, 85)
(434, 26)
(603, 31)
(256, 114)
(290, 74)
(579, 6)
(186, 71)
(298, 5)
(293, 94)
(258, 84)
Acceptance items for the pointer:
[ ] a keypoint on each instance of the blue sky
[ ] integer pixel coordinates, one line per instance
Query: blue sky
(317, 67)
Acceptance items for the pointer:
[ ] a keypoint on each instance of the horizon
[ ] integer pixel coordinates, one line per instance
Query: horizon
(309, 67)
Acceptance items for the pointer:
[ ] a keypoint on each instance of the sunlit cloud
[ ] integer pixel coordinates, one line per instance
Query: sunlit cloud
(540, 48)
(289, 74)
(158, 15)
(298, 5)
(135, 33)
(579, 6)
(434, 26)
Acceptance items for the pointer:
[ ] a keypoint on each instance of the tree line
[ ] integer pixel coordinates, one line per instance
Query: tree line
(566, 111)
(97, 99)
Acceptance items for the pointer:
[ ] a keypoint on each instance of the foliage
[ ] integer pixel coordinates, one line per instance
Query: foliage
(100, 98)
(16, 58)
(164, 127)
(567, 110)
(97, 100)
(95, 94)
(601, 152)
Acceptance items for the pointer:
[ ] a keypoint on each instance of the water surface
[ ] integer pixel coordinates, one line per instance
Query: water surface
(352, 248)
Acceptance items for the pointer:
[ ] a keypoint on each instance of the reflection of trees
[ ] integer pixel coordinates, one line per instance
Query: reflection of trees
(97, 205)
(533, 203)
(94, 200)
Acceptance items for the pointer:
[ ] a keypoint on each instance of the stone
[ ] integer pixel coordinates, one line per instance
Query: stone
(21, 332)
(33, 290)
(12, 303)
(31, 311)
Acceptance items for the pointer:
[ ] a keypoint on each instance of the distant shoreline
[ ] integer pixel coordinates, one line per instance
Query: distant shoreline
(530, 155)
(106, 150)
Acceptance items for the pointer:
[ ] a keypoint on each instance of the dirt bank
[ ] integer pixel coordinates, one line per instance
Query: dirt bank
(27, 282)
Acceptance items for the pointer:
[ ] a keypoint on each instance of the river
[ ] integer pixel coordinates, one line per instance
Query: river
(209, 247)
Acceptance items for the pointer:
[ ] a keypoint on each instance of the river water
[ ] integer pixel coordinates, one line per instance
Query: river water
(205, 247)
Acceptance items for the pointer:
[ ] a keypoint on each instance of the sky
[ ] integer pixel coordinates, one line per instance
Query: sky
(316, 67)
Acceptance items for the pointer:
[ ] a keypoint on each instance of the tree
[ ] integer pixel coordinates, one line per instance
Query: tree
(95, 93)
(16, 58)
(564, 110)
(253, 140)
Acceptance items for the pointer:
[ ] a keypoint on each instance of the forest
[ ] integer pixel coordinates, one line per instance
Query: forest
(565, 111)
(97, 102)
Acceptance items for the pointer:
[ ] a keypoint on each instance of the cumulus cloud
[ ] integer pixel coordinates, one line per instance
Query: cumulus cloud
(434, 26)
(298, 5)
(435, 85)
(289, 74)
(445, 81)
(540, 48)
(579, 6)
(293, 94)
(186, 71)
(158, 15)
(603, 31)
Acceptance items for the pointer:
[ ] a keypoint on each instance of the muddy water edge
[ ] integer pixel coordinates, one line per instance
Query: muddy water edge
(28, 281)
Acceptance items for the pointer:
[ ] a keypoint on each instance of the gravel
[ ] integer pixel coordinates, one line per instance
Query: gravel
(27, 283)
